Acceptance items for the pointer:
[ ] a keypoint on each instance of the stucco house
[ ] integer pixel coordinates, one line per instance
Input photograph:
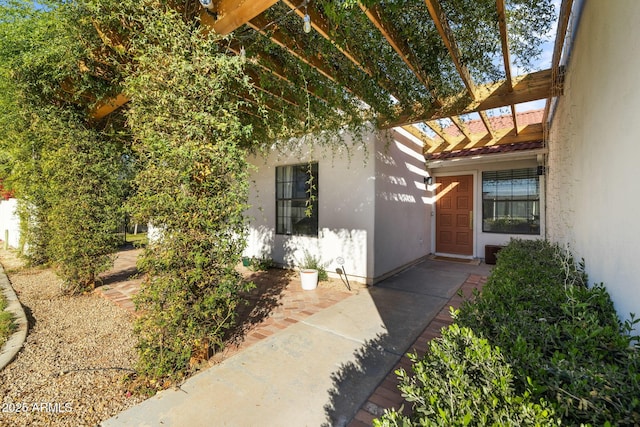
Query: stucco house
(592, 164)
(400, 199)
(582, 179)
(386, 205)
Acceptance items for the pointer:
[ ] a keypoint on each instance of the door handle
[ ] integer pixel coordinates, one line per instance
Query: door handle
(470, 220)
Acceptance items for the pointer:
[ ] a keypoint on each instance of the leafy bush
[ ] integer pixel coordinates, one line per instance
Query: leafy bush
(65, 170)
(312, 262)
(261, 264)
(192, 184)
(6, 321)
(463, 380)
(563, 340)
(84, 176)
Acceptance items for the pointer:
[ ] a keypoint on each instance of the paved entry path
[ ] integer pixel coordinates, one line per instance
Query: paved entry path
(331, 368)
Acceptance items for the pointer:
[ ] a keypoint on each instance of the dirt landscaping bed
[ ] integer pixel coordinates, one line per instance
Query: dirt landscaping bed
(79, 349)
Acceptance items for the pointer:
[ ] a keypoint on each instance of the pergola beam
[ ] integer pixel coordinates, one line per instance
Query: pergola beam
(529, 133)
(274, 67)
(423, 137)
(487, 124)
(504, 41)
(291, 45)
(446, 139)
(462, 127)
(563, 24)
(527, 87)
(396, 42)
(440, 20)
(108, 106)
(232, 14)
(322, 27)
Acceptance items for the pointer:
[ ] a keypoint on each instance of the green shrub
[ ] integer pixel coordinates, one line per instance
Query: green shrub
(261, 264)
(563, 340)
(7, 326)
(84, 176)
(192, 184)
(312, 262)
(463, 380)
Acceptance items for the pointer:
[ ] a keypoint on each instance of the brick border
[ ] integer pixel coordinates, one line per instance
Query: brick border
(387, 395)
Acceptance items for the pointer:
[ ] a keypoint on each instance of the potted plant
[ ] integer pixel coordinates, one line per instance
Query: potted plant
(311, 271)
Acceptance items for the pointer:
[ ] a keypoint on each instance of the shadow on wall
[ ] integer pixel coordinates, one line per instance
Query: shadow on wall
(260, 241)
(331, 244)
(328, 248)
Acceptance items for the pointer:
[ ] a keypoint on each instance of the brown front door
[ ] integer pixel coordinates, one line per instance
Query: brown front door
(454, 214)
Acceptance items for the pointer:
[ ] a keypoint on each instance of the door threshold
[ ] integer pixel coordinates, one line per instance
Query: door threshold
(451, 258)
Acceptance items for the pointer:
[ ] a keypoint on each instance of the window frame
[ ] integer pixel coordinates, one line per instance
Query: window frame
(296, 203)
(529, 202)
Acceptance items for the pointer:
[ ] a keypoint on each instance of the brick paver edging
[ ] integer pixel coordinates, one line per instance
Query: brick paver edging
(387, 395)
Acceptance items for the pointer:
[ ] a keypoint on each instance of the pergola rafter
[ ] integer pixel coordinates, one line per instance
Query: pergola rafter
(462, 127)
(440, 20)
(526, 88)
(398, 44)
(417, 133)
(272, 66)
(346, 71)
(563, 25)
(504, 40)
(233, 14)
(439, 130)
(322, 26)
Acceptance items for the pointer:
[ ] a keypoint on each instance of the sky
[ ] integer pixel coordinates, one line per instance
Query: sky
(543, 62)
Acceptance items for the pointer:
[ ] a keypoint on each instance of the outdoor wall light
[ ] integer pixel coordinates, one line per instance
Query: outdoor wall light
(428, 180)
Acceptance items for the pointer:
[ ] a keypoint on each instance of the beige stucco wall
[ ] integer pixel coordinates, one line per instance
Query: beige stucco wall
(594, 151)
(345, 216)
(402, 214)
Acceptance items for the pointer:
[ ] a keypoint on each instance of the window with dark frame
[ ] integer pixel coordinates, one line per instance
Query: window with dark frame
(511, 201)
(297, 199)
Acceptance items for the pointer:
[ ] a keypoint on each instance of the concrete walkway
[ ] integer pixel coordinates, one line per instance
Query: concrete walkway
(319, 371)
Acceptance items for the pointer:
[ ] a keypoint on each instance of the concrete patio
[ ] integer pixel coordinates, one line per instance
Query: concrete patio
(331, 368)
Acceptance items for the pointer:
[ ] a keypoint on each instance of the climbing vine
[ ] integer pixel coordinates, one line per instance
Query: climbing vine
(177, 151)
(65, 170)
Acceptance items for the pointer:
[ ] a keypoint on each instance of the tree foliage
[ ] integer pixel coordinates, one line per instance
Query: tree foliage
(192, 183)
(65, 170)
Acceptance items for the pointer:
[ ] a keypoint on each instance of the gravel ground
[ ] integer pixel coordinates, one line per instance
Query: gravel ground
(78, 350)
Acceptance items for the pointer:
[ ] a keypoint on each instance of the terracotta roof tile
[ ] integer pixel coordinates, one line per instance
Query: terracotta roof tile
(499, 122)
(494, 149)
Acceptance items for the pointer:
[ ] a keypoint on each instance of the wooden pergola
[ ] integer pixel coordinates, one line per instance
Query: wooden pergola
(226, 17)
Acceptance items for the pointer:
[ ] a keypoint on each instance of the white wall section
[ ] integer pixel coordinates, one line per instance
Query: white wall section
(594, 149)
